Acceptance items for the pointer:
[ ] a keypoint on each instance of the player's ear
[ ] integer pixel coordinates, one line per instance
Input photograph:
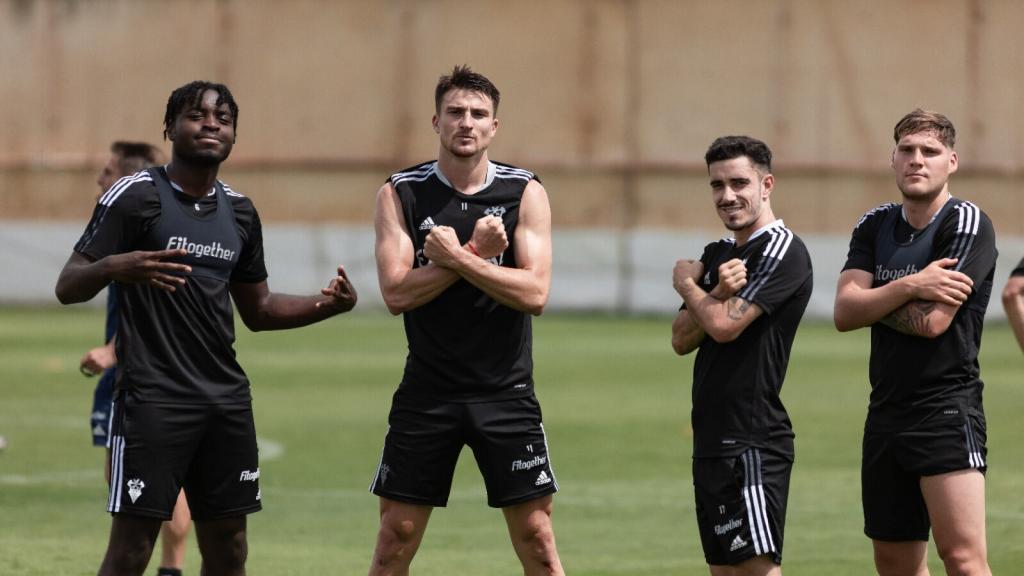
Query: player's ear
(433, 122)
(954, 162)
(767, 185)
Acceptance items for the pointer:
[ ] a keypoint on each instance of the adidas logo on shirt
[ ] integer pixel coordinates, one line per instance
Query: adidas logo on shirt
(427, 224)
(542, 479)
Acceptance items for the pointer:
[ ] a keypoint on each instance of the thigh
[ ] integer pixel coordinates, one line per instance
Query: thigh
(224, 477)
(741, 506)
(151, 447)
(511, 450)
(420, 451)
(956, 506)
(894, 508)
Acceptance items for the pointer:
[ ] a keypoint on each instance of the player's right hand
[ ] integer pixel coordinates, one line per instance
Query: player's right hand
(936, 283)
(489, 237)
(686, 270)
(148, 267)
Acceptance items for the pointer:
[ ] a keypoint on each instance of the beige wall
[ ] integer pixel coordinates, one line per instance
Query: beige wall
(612, 102)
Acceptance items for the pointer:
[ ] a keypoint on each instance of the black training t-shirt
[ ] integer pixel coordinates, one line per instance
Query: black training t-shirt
(912, 377)
(736, 385)
(178, 347)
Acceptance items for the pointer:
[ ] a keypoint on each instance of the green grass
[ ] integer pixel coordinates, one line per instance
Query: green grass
(616, 405)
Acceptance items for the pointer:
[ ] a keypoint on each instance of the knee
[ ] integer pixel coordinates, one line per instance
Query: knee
(129, 557)
(538, 537)
(964, 560)
(396, 535)
(228, 554)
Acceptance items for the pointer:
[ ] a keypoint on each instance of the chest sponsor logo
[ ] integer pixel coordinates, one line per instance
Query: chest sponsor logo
(249, 476)
(883, 274)
(529, 464)
(214, 250)
(498, 211)
(721, 529)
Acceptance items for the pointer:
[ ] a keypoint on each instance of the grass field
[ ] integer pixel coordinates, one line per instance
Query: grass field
(616, 405)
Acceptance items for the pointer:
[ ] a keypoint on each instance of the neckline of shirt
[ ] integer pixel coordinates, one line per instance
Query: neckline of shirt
(777, 223)
(213, 189)
(492, 170)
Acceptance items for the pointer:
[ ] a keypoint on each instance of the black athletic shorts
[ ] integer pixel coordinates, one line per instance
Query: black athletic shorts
(741, 505)
(158, 449)
(425, 437)
(893, 464)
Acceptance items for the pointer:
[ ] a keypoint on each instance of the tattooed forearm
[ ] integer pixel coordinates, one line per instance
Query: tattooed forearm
(736, 307)
(911, 318)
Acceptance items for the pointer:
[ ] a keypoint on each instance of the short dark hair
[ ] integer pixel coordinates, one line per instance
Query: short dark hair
(729, 147)
(191, 95)
(133, 157)
(462, 77)
(926, 121)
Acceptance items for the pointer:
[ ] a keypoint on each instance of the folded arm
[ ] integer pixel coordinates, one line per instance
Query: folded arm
(720, 314)
(403, 287)
(921, 304)
(524, 288)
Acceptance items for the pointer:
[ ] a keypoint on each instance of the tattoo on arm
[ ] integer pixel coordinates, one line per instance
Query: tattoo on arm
(736, 307)
(911, 318)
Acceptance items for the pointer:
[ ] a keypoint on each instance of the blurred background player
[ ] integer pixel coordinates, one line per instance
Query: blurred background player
(182, 246)
(919, 273)
(127, 158)
(742, 304)
(463, 251)
(1013, 302)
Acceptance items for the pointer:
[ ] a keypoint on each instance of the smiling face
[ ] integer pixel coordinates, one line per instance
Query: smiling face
(204, 133)
(922, 164)
(741, 193)
(465, 123)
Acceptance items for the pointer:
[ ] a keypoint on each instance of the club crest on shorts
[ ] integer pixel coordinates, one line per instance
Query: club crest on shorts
(135, 487)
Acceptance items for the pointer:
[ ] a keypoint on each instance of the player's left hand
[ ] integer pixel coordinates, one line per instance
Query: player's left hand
(341, 294)
(686, 270)
(732, 276)
(442, 245)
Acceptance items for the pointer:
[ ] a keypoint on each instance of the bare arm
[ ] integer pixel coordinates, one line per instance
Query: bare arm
(81, 279)
(524, 288)
(261, 309)
(402, 286)
(1013, 303)
(719, 314)
(921, 304)
(686, 334)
